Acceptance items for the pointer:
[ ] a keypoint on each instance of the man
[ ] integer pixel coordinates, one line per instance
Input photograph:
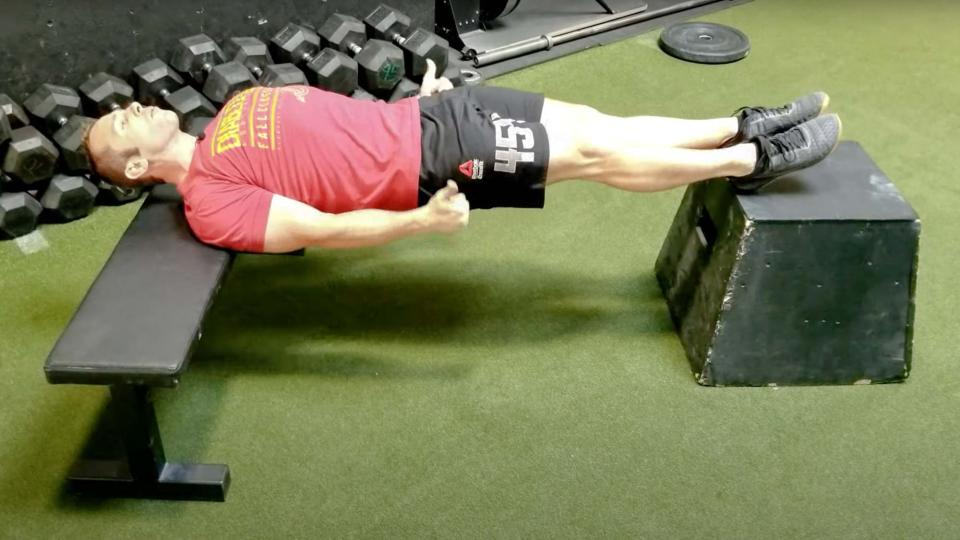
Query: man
(281, 169)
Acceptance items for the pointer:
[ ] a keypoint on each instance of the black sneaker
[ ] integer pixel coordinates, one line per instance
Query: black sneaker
(798, 148)
(757, 121)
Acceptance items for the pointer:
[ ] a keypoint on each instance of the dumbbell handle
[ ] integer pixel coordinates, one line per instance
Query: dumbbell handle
(354, 48)
(308, 57)
(396, 37)
(163, 94)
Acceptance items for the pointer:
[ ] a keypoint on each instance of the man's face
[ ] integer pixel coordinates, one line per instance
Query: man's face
(146, 130)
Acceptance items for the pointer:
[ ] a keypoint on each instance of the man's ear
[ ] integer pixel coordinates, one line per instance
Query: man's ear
(136, 167)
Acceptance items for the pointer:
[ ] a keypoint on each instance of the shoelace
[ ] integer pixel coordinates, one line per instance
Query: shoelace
(788, 142)
(767, 112)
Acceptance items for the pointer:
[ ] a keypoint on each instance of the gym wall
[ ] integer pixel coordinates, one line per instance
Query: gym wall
(64, 42)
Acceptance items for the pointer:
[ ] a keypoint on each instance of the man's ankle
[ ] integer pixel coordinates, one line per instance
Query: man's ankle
(745, 160)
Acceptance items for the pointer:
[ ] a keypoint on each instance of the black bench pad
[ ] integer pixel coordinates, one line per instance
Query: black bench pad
(142, 317)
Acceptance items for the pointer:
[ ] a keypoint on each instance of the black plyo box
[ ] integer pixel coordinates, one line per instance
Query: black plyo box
(810, 281)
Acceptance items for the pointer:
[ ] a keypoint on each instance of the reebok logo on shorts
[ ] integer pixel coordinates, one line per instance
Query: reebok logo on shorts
(510, 137)
(472, 169)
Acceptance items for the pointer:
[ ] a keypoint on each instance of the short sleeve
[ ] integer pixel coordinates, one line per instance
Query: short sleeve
(228, 215)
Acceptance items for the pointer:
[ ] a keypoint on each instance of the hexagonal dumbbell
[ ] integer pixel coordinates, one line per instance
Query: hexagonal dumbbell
(19, 213)
(114, 195)
(282, 75)
(195, 57)
(334, 71)
(70, 140)
(418, 45)
(190, 104)
(201, 60)
(155, 80)
(255, 56)
(325, 68)
(31, 158)
(381, 63)
(51, 106)
(250, 52)
(103, 93)
(159, 85)
(13, 112)
(363, 95)
(198, 125)
(5, 130)
(69, 197)
(58, 108)
(406, 88)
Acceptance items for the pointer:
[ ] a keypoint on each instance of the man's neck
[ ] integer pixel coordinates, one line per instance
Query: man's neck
(174, 164)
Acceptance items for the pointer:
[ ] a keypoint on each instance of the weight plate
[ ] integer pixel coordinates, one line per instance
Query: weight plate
(704, 43)
(494, 9)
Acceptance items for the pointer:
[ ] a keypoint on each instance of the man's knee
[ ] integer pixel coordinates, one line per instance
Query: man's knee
(568, 115)
(585, 127)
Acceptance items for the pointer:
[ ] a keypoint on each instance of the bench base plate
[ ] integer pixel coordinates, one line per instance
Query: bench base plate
(124, 457)
(178, 481)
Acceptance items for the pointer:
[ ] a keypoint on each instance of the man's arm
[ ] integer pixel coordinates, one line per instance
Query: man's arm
(430, 84)
(293, 225)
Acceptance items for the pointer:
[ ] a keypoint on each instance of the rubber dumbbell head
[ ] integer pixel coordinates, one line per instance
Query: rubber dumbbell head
(188, 103)
(252, 53)
(155, 80)
(13, 112)
(295, 44)
(406, 88)
(69, 197)
(227, 80)
(70, 140)
(333, 71)
(31, 158)
(110, 194)
(282, 75)
(104, 93)
(51, 106)
(19, 213)
(194, 57)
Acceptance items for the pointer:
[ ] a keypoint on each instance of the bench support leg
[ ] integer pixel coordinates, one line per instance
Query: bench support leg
(134, 464)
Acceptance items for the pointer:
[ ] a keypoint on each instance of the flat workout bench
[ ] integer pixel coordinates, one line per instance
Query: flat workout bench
(136, 329)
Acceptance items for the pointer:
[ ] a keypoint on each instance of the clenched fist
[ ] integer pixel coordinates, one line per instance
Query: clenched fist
(448, 210)
(431, 84)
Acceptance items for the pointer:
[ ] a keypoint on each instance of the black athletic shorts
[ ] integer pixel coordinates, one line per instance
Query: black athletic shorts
(489, 141)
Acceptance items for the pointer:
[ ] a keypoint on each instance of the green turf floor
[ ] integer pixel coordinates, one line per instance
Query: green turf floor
(522, 379)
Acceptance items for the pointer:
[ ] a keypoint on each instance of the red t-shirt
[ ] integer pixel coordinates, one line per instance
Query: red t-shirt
(332, 152)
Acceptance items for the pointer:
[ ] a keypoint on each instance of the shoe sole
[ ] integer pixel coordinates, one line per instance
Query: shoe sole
(826, 103)
(839, 133)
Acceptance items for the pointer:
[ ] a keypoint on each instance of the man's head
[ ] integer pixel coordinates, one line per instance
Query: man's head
(123, 144)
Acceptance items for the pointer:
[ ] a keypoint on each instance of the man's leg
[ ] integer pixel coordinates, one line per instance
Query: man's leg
(643, 130)
(632, 154)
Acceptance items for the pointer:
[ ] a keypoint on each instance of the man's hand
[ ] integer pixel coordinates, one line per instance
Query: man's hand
(448, 210)
(431, 84)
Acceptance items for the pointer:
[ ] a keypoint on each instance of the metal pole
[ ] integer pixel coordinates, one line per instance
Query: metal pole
(548, 41)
